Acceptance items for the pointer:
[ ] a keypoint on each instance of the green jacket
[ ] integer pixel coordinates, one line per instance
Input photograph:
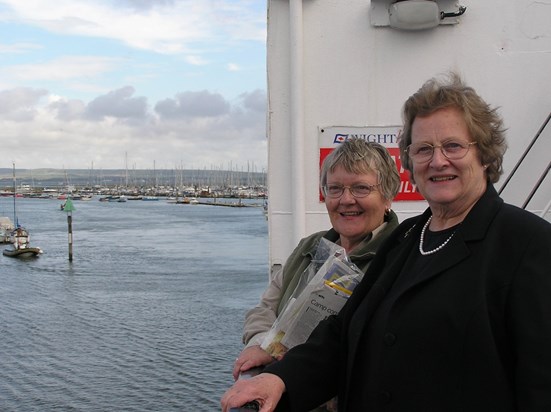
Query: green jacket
(303, 254)
(260, 319)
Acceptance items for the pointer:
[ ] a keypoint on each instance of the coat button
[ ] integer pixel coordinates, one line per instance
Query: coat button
(389, 339)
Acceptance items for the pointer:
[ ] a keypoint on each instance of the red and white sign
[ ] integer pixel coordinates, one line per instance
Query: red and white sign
(387, 136)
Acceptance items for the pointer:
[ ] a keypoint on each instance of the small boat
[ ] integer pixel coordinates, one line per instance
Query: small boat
(20, 237)
(21, 245)
(70, 199)
(113, 198)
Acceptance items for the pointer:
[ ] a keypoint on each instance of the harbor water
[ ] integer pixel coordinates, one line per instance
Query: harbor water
(147, 316)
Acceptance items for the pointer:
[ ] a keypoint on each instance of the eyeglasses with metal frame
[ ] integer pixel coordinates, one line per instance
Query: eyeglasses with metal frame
(451, 149)
(358, 190)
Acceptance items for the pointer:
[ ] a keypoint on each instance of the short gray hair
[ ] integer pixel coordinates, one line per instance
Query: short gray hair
(359, 156)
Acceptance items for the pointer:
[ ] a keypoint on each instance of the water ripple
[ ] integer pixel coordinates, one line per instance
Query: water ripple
(143, 319)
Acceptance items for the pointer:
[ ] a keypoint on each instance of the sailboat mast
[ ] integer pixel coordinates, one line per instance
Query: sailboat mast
(14, 196)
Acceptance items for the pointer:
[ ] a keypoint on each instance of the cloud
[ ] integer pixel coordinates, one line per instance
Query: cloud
(63, 68)
(196, 60)
(19, 104)
(75, 91)
(118, 104)
(232, 67)
(192, 129)
(20, 47)
(145, 4)
(193, 104)
(161, 26)
(255, 100)
(68, 110)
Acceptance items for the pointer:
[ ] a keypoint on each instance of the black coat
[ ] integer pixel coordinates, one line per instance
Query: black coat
(472, 335)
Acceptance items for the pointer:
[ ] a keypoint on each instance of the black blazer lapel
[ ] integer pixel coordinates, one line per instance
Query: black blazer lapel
(474, 227)
(386, 266)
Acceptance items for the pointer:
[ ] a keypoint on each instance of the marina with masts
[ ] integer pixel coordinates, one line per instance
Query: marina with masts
(177, 185)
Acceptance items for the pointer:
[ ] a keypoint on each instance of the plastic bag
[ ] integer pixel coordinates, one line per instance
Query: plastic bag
(323, 295)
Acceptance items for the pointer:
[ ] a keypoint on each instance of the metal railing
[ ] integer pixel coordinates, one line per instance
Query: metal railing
(543, 175)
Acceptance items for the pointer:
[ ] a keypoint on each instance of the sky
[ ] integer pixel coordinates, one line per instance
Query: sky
(137, 84)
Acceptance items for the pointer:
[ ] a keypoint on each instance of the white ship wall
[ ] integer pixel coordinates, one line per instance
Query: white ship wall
(330, 63)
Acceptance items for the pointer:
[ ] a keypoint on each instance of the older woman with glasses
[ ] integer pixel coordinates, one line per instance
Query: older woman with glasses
(455, 314)
(359, 179)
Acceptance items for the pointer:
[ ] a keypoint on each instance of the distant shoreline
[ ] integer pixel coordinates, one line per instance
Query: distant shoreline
(58, 178)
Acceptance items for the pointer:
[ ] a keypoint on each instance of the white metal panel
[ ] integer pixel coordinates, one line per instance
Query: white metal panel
(356, 74)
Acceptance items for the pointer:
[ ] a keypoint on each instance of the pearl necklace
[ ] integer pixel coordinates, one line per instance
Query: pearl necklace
(436, 249)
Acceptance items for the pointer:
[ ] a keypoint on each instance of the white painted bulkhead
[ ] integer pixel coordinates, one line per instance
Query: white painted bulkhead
(331, 64)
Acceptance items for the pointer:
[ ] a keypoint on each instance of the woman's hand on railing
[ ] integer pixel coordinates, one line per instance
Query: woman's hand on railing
(266, 389)
(251, 357)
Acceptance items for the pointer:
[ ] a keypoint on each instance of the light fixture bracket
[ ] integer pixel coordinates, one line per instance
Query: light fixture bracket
(415, 15)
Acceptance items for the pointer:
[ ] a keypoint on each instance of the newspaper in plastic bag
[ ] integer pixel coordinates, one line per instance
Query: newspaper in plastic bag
(324, 251)
(324, 295)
